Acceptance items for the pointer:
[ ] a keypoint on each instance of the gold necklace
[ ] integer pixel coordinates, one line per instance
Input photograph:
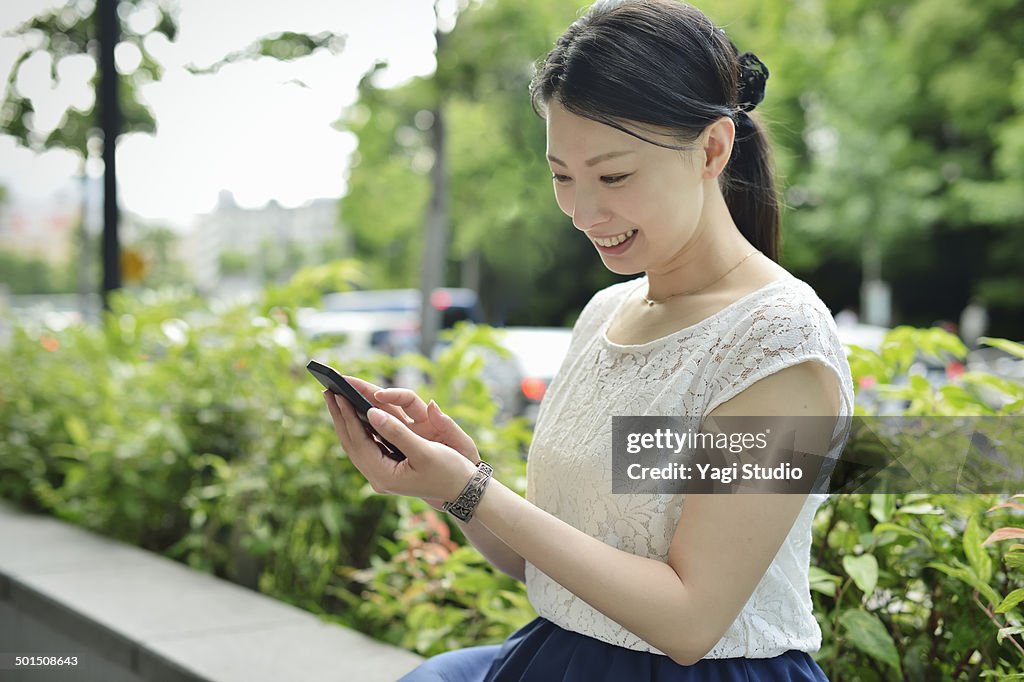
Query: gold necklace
(651, 302)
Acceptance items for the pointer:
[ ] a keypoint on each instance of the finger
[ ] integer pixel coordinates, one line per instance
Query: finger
(353, 424)
(363, 386)
(406, 399)
(338, 417)
(369, 392)
(397, 433)
(356, 439)
(451, 433)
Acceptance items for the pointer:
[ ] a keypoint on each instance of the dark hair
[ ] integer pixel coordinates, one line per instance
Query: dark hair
(664, 63)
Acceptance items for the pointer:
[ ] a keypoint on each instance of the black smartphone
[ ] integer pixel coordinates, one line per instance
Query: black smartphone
(332, 380)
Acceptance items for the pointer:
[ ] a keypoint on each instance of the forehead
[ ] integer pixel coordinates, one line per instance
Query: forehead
(572, 136)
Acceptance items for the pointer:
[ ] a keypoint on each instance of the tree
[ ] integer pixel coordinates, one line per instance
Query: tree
(86, 28)
(30, 275)
(915, 119)
(898, 128)
(500, 197)
(74, 30)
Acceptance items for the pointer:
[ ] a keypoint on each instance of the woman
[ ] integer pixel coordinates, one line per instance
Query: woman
(659, 165)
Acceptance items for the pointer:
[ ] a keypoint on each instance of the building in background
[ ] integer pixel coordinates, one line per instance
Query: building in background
(234, 251)
(231, 251)
(41, 229)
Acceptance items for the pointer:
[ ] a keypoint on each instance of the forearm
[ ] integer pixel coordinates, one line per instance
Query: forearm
(500, 555)
(643, 595)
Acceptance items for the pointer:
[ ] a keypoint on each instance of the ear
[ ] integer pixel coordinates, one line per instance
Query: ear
(718, 139)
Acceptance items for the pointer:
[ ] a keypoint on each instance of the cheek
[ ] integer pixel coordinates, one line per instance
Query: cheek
(665, 212)
(564, 199)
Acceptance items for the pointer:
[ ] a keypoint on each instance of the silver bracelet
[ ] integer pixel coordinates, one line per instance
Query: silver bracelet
(465, 504)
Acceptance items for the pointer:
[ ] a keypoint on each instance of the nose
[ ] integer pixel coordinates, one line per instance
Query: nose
(588, 211)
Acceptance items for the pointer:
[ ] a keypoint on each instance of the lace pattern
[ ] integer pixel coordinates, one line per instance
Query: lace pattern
(687, 373)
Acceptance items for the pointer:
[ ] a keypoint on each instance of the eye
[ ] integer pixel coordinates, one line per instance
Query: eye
(560, 179)
(614, 179)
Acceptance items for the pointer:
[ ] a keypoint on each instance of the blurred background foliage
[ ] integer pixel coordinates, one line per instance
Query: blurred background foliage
(899, 130)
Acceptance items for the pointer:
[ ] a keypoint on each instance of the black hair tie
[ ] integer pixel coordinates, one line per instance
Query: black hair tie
(753, 75)
(744, 125)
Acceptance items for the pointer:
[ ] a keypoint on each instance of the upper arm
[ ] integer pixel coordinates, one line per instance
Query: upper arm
(724, 543)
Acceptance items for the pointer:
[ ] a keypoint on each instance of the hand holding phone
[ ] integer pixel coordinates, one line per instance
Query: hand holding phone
(332, 380)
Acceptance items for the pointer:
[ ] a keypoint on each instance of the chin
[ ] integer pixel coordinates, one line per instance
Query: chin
(622, 268)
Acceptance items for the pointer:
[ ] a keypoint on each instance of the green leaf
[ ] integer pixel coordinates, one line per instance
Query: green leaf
(1010, 347)
(329, 515)
(920, 508)
(882, 506)
(978, 558)
(1006, 632)
(864, 571)
(817, 574)
(284, 46)
(77, 430)
(822, 581)
(1014, 559)
(867, 632)
(895, 528)
(920, 385)
(1012, 389)
(828, 589)
(1012, 599)
(963, 574)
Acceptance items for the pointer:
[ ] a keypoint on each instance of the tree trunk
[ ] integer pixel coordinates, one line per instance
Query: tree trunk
(110, 122)
(435, 242)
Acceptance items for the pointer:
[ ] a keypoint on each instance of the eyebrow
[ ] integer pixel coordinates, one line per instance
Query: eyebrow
(594, 161)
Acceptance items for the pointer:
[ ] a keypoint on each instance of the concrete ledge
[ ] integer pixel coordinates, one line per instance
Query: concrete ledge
(132, 615)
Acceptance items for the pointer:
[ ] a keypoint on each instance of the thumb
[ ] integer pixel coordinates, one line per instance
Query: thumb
(451, 434)
(395, 432)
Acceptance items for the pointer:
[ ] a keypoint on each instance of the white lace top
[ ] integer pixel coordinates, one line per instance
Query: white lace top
(687, 373)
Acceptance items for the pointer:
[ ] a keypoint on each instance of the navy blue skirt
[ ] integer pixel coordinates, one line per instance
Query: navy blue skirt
(541, 651)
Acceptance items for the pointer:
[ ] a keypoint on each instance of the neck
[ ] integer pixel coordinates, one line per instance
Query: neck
(716, 246)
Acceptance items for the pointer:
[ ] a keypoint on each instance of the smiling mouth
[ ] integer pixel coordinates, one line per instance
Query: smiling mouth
(616, 240)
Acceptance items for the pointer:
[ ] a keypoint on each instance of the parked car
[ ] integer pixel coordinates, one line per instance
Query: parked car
(866, 336)
(455, 304)
(383, 320)
(518, 383)
(360, 334)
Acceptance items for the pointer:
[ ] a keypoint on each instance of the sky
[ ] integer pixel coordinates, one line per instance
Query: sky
(251, 128)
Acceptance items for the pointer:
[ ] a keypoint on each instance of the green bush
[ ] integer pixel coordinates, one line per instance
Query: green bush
(433, 594)
(197, 432)
(902, 585)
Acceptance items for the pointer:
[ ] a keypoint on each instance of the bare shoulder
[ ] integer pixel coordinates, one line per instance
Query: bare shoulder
(809, 389)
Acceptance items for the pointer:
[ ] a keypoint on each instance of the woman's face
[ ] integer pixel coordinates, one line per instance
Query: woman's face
(638, 203)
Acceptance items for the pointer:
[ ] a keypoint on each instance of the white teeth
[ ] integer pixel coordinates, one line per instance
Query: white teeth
(616, 240)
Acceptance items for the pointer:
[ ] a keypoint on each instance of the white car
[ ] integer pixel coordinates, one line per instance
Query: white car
(519, 382)
(359, 334)
(866, 336)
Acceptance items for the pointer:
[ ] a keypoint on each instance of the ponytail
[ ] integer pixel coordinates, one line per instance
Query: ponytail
(748, 187)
